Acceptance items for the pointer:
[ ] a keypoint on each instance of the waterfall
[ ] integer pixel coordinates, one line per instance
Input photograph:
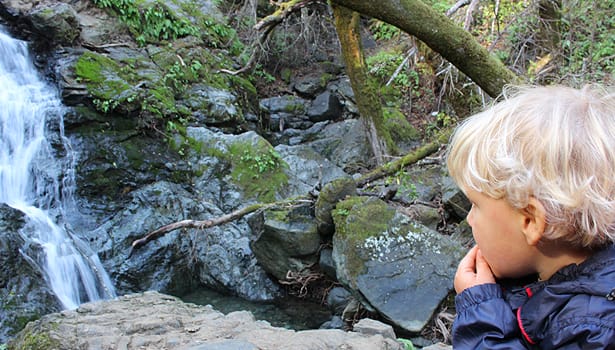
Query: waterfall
(37, 178)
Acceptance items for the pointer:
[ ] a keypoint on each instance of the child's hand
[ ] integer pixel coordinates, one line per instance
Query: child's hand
(472, 271)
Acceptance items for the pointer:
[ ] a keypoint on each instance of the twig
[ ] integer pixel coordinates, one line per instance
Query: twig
(201, 224)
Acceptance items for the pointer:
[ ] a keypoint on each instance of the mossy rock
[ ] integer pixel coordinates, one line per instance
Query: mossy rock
(328, 198)
(357, 219)
(37, 337)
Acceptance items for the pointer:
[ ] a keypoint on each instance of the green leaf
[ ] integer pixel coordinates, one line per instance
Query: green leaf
(407, 343)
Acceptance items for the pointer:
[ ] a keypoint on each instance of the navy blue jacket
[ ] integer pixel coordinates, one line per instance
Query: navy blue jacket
(574, 309)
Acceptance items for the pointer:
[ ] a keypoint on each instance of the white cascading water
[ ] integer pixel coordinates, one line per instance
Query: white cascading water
(38, 183)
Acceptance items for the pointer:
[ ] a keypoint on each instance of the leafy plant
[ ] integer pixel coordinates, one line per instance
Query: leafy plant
(341, 211)
(259, 72)
(152, 24)
(442, 121)
(404, 181)
(384, 64)
(407, 343)
(262, 162)
(383, 31)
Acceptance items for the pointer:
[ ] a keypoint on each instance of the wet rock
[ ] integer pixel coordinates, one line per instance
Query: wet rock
(24, 295)
(219, 257)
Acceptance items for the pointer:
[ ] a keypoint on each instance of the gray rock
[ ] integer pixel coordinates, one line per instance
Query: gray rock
(368, 326)
(57, 22)
(286, 240)
(393, 264)
(326, 263)
(337, 299)
(438, 346)
(225, 345)
(219, 258)
(345, 144)
(335, 322)
(454, 199)
(155, 321)
(325, 106)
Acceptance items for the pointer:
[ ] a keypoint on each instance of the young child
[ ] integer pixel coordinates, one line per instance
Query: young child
(539, 170)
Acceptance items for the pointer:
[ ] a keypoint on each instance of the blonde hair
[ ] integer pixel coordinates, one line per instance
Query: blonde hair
(554, 143)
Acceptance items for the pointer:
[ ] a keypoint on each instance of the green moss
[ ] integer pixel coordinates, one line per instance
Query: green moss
(183, 143)
(91, 66)
(286, 75)
(294, 108)
(325, 79)
(257, 169)
(39, 341)
(22, 321)
(254, 167)
(358, 218)
(105, 81)
(280, 215)
(398, 126)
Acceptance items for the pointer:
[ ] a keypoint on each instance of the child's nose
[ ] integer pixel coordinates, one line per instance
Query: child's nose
(470, 216)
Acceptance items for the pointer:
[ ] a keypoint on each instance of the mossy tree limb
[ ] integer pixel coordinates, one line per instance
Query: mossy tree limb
(347, 25)
(443, 36)
(418, 19)
(410, 158)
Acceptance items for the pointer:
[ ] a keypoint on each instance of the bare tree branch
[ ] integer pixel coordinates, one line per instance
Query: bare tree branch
(467, 24)
(202, 224)
(459, 4)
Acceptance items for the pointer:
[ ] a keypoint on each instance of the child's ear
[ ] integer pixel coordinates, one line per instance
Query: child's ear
(533, 226)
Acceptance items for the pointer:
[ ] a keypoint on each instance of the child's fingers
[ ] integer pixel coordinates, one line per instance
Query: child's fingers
(466, 271)
(481, 264)
(468, 263)
(483, 270)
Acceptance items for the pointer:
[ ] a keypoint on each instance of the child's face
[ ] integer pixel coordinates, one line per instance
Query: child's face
(497, 229)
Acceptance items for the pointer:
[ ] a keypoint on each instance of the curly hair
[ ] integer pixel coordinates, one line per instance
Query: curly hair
(553, 143)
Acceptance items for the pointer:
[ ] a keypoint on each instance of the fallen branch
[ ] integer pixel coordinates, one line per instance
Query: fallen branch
(410, 158)
(202, 224)
(102, 48)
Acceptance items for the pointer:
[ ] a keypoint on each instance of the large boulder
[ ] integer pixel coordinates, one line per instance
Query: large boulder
(155, 321)
(286, 240)
(56, 22)
(393, 264)
(218, 257)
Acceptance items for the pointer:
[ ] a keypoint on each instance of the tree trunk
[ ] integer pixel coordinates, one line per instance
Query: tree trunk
(441, 35)
(347, 25)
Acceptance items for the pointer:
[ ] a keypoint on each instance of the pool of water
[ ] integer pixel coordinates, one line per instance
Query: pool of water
(291, 313)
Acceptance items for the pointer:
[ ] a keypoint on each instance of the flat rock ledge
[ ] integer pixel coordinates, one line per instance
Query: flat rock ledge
(152, 320)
